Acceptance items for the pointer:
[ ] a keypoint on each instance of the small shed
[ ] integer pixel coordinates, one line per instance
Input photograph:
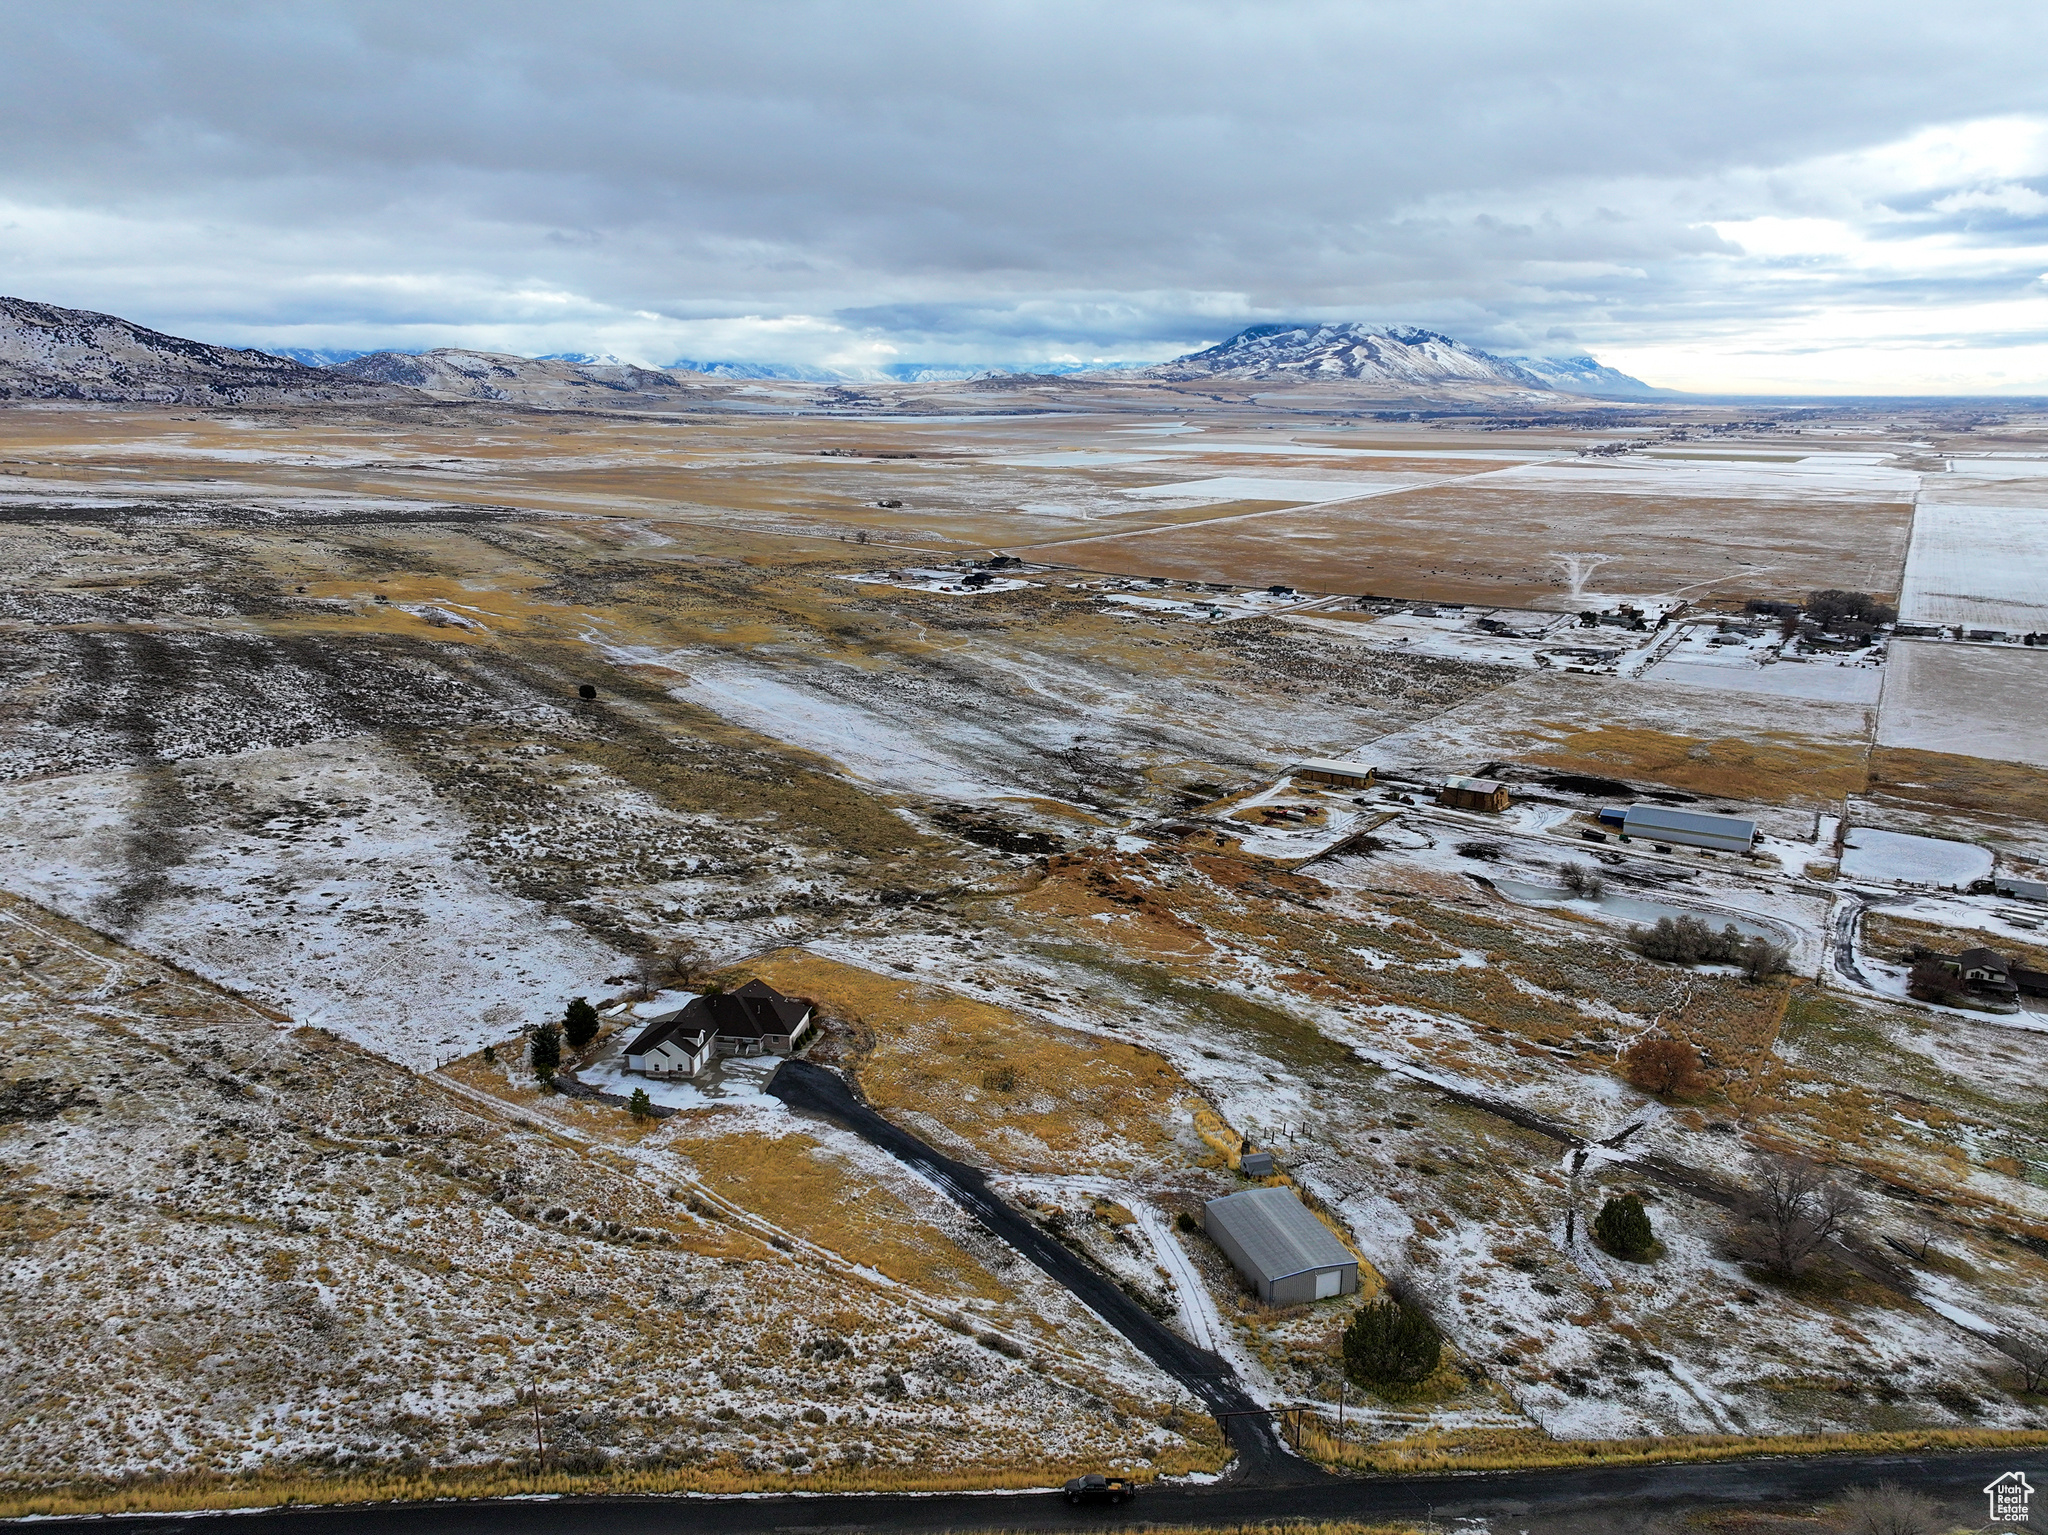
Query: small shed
(1691, 828)
(1473, 794)
(1342, 775)
(1289, 1256)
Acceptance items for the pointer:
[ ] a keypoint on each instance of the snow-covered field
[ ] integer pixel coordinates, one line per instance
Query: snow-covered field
(339, 894)
(1819, 477)
(1868, 853)
(1238, 487)
(1966, 700)
(1984, 567)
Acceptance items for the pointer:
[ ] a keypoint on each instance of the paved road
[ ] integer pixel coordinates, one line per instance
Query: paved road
(1547, 1500)
(1263, 1458)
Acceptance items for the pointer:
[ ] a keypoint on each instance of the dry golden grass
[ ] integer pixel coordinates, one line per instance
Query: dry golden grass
(1977, 785)
(198, 1491)
(809, 1190)
(1531, 1449)
(1771, 767)
(1075, 1096)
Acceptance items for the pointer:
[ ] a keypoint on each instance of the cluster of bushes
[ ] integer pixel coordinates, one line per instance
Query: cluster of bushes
(1832, 608)
(1582, 881)
(1690, 941)
(1391, 1343)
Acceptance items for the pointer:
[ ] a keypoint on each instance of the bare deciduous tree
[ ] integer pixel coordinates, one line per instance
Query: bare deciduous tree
(1798, 1209)
(2032, 1359)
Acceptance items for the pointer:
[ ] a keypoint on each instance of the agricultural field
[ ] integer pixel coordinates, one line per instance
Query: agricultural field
(343, 748)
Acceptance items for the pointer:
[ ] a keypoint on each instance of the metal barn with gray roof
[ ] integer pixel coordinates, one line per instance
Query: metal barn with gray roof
(1719, 833)
(1289, 1256)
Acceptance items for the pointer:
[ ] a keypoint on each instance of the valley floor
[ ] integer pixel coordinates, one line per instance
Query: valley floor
(307, 823)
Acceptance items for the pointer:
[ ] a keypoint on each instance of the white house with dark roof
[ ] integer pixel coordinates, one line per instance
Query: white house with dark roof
(754, 1019)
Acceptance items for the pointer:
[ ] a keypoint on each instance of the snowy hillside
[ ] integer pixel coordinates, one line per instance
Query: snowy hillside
(452, 373)
(1388, 355)
(48, 353)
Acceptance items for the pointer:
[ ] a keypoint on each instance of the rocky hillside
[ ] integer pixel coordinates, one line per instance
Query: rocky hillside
(1386, 355)
(48, 353)
(450, 373)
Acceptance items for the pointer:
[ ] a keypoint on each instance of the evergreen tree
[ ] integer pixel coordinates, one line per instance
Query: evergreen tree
(545, 1052)
(579, 1023)
(1391, 1343)
(640, 1106)
(1623, 1228)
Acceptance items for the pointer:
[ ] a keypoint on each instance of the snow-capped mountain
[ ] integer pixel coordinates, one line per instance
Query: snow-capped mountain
(451, 373)
(1584, 375)
(1385, 354)
(48, 353)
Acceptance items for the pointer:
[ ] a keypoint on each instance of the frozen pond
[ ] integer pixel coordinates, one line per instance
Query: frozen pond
(1872, 854)
(1635, 909)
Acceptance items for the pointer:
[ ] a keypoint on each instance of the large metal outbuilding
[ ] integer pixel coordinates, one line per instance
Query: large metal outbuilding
(1690, 828)
(1289, 1256)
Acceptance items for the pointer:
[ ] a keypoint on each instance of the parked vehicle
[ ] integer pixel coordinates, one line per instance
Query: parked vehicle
(1097, 1488)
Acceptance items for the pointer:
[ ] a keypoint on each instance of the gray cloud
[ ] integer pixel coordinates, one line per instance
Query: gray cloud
(806, 180)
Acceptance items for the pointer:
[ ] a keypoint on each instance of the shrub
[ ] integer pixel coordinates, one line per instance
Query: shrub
(1580, 880)
(1623, 1228)
(1391, 1342)
(1687, 941)
(490, 1055)
(1761, 959)
(1931, 981)
(1003, 1079)
(1665, 1067)
(545, 1052)
(579, 1023)
(1187, 1222)
(1889, 1509)
(640, 1106)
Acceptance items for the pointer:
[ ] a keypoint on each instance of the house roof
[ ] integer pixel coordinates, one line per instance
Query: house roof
(1331, 765)
(1654, 818)
(1983, 959)
(1475, 785)
(749, 1012)
(1276, 1233)
(678, 1025)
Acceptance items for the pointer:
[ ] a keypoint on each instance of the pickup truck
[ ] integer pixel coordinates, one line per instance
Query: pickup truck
(1097, 1488)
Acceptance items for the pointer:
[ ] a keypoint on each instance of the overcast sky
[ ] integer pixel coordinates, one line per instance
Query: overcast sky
(1790, 196)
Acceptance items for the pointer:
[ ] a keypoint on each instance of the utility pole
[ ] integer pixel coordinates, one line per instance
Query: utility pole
(540, 1449)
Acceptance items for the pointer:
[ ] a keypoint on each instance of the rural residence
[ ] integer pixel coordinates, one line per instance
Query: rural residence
(756, 1019)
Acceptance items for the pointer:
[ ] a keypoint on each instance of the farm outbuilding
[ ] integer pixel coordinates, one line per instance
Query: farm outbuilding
(1473, 794)
(1690, 828)
(1343, 775)
(1289, 1256)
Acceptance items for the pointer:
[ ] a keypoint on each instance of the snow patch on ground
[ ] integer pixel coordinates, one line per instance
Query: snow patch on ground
(338, 894)
(1889, 855)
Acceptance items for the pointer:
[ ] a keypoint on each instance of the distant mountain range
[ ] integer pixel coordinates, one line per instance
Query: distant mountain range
(1384, 354)
(75, 354)
(47, 353)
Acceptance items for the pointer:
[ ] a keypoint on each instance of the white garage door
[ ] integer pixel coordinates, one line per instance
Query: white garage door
(1328, 1283)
